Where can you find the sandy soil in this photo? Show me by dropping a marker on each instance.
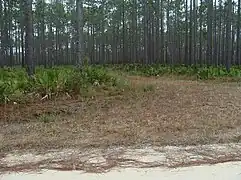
(98, 160)
(230, 171)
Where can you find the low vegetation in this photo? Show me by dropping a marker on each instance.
(198, 72)
(150, 110)
(15, 85)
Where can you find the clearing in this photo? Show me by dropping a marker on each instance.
(172, 112)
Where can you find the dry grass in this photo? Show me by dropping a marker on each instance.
(177, 112)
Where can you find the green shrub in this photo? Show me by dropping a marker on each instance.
(52, 81)
(14, 83)
(199, 72)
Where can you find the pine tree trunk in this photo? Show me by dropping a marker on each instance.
(79, 11)
(29, 38)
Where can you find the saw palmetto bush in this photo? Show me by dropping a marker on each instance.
(12, 83)
(15, 82)
(200, 72)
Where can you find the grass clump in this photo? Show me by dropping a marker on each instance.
(15, 84)
(47, 118)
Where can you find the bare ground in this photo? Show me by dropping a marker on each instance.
(176, 112)
(104, 160)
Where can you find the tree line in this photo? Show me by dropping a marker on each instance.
(172, 32)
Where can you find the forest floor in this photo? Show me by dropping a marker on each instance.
(173, 112)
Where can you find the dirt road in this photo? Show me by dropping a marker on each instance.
(230, 171)
(147, 163)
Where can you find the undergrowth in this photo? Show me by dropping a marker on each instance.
(15, 84)
(199, 72)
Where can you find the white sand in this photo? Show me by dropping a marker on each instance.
(225, 171)
(165, 156)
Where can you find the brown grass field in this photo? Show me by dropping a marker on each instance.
(172, 112)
